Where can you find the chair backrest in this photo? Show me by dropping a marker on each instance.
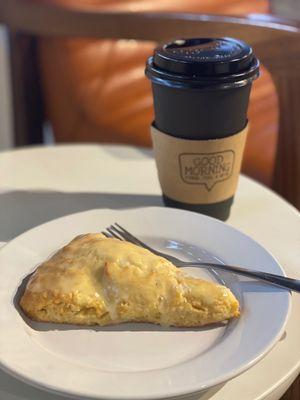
(276, 42)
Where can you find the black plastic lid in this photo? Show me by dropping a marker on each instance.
(203, 61)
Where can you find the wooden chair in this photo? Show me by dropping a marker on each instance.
(276, 42)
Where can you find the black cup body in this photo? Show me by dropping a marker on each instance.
(207, 107)
(201, 114)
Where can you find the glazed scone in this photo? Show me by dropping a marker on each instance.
(98, 280)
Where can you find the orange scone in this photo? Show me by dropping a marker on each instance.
(96, 280)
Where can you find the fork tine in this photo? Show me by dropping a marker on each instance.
(118, 231)
(113, 234)
(124, 233)
(106, 234)
(115, 231)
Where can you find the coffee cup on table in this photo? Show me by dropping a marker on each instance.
(201, 91)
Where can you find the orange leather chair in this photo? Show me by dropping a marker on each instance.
(95, 90)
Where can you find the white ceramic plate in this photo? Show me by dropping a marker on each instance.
(141, 361)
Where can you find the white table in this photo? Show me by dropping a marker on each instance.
(38, 184)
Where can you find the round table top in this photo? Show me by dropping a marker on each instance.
(38, 184)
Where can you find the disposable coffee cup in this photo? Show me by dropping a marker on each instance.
(201, 91)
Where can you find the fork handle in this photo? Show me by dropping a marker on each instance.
(282, 281)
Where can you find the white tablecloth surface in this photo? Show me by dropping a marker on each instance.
(41, 183)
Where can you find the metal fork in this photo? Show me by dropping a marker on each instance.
(117, 231)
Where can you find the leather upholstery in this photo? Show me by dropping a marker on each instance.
(96, 91)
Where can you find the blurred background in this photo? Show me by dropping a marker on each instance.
(66, 89)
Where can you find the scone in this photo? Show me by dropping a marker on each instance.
(98, 280)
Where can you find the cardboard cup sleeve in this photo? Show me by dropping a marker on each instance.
(198, 171)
